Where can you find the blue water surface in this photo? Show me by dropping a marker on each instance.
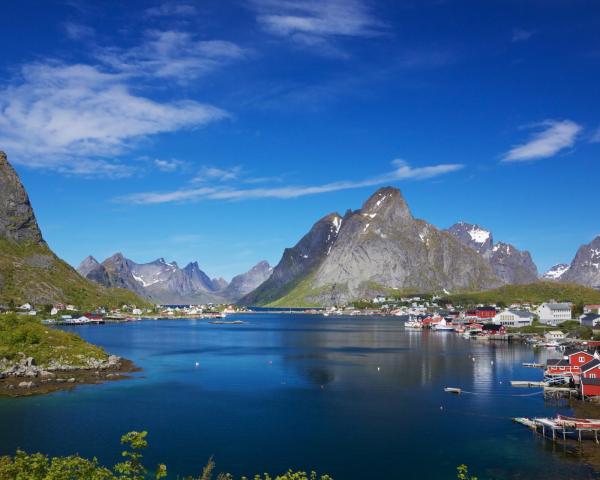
(355, 397)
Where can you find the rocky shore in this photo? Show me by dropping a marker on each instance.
(24, 377)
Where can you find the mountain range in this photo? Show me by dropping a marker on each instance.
(382, 248)
(29, 270)
(165, 282)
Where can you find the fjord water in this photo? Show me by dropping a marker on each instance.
(356, 397)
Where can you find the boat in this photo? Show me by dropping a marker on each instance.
(453, 390)
(413, 325)
(442, 326)
(221, 322)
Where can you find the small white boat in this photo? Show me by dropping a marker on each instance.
(413, 325)
(443, 327)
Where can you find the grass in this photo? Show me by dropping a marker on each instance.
(23, 335)
(32, 273)
(537, 292)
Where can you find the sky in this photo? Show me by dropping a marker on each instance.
(220, 131)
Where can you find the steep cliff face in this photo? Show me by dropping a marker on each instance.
(299, 262)
(383, 245)
(585, 267)
(372, 250)
(510, 264)
(29, 270)
(17, 220)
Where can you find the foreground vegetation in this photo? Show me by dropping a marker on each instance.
(37, 466)
(32, 273)
(22, 335)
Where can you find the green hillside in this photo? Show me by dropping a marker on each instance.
(30, 272)
(537, 292)
(21, 335)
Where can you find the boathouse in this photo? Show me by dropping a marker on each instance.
(590, 379)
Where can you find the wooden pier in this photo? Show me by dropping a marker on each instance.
(563, 428)
(527, 383)
(534, 365)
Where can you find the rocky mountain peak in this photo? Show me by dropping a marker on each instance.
(387, 202)
(585, 267)
(556, 272)
(17, 220)
(88, 264)
(472, 235)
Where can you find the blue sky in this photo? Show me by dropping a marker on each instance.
(219, 131)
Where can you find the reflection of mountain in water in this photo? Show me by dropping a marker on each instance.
(344, 352)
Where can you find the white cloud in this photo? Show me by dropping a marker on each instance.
(317, 23)
(63, 116)
(172, 54)
(72, 117)
(401, 171)
(556, 135)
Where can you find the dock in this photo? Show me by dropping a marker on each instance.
(527, 383)
(563, 428)
(534, 365)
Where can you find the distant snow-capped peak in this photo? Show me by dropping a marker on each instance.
(556, 272)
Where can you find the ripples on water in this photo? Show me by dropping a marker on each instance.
(360, 398)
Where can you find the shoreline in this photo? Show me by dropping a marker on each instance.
(65, 380)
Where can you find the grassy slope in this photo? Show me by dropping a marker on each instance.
(533, 292)
(32, 273)
(22, 334)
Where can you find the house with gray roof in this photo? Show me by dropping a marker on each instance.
(514, 318)
(552, 313)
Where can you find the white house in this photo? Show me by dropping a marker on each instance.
(136, 311)
(513, 318)
(554, 313)
(554, 335)
(54, 311)
(25, 307)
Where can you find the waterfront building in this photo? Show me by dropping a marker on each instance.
(513, 318)
(554, 313)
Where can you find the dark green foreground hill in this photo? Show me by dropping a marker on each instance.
(29, 270)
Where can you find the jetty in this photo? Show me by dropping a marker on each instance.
(563, 427)
(534, 365)
(527, 383)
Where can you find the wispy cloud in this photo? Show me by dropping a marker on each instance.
(171, 9)
(317, 24)
(78, 31)
(76, 118)
(168, 165)
(172, 54)
(402, 171)
(521, 35)
(555, 135)
(217, 174)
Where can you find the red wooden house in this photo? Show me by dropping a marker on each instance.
(570, 363)
(590, 379)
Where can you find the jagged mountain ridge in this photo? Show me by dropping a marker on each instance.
(165, 282)
(374, 249)
(512, 265)
(585, 267)
(29, 269)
